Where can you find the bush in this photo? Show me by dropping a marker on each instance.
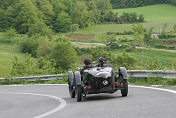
(165, 35)
(44, 47)
(29, 45)
(125, 60)
(82, 51)
(63, 54)
(119, 33)
(170, 82)
(9, 35)
(153, 64)
(130, 49)
(25, 67)
(100, 52)
(29, 66)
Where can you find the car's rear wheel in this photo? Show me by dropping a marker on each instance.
(71, 84)
(79, 93)
(71, 91)
(124, 91)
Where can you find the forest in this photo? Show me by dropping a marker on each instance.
(42, 17)
(117, 4)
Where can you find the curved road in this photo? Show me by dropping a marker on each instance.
(53, 101)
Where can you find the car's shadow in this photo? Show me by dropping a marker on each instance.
(95, 97)
(98, 97)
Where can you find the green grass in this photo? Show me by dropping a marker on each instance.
(171, 83)
(164, 57)
(153, 12)
(24, 82)
(7, 53)
(100, 30)
(155, 16)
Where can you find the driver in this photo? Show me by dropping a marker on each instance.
(102, 62)
(87, 64)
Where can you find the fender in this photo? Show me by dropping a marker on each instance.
(123, 71)
(78, 78)
(70, 78)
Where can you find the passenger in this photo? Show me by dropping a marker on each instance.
(87, 64)
(102, 62)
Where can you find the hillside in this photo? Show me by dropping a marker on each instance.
(155, 16)
(7, 53)
(153, 12)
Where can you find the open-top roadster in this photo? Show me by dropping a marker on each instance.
(97, 80)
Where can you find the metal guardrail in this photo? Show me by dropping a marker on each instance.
(131, 74)
(34, 78)
(151, 73)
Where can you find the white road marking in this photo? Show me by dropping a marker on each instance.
(62, 105)
(35, 85)
(154, 88)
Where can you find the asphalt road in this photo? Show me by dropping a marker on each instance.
(53, 101)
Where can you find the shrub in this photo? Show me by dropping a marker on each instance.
(170, 82)
(29, 45)
(100, 52)
(125, 60)
(25, 67)
(153, 64)
(29, 66)
(82, 51)
(9, 35)
(44, 47)
(63, 54)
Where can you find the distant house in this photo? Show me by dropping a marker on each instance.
(155, 35)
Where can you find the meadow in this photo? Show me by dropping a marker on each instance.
(7, 52)
(159, 12)
(156, 16)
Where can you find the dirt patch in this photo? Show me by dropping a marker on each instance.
(81, 37)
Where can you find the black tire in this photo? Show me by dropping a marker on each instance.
(79, 93)
(71, 84)
(124, 91)
(71, 91)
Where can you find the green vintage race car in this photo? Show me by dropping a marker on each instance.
(97, 80)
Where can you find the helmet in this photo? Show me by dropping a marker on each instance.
(101, 59)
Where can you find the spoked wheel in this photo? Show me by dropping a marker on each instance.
(71, 84)
(79, 93)
(124, 91)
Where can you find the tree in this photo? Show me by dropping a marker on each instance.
(39, 29)
(63, 54)
(5, 4)
(63, 22)
(103, 5)
(139, 36)
(27, 14)
(47, 9)
(79, 14)
(74, 27)
(139, 32)
(7, 19)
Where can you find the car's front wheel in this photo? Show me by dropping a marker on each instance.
(79, 93)
(124, 91)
